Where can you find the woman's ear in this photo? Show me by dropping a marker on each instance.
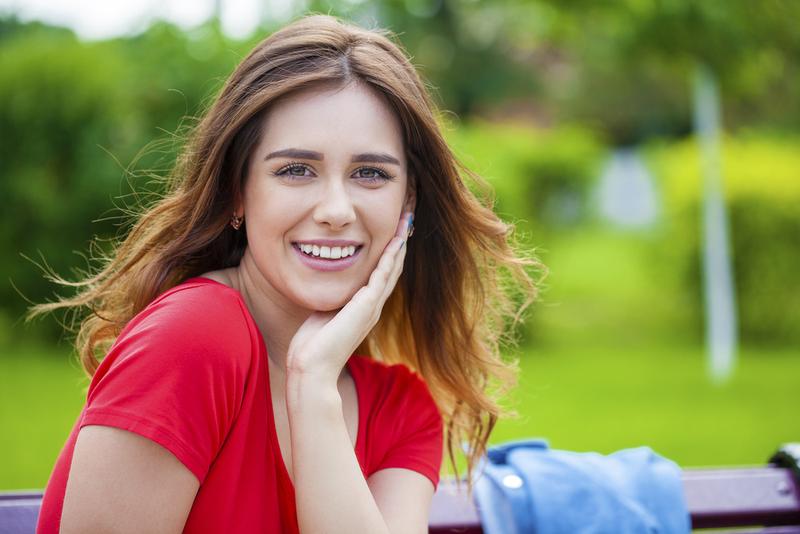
(238, 206)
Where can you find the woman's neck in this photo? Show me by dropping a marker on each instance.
(277, 318)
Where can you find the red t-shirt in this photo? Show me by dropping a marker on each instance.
(190, 373)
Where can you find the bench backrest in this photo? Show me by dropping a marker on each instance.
(716, 498)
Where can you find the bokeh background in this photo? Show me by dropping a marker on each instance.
(579, 113)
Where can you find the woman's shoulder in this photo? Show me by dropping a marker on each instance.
(390, 380)
(197, 300)
(198, 316)
(198, 290)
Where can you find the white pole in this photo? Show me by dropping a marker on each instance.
(720, 298)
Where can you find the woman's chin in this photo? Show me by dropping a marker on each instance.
(327, 303)
(328, 307)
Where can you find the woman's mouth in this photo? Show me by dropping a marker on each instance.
(326, 257)
(327, 252)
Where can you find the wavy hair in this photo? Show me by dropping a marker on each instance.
(464, 285)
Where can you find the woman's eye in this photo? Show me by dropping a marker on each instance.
(369, 175)
(294, 170)
(373, 175)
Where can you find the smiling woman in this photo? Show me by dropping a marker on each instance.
(310, 183)
(268, 349)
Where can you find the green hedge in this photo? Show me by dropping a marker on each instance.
(541, 177)
(762, 190)
(78, 115)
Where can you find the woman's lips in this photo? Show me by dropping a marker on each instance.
(324, 264)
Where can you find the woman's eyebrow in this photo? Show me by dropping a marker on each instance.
(298, 153)
(295, 153)
(375, 158)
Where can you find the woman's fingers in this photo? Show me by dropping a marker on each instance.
(369, 300)
(380, 277)
(390, 254)
(399, 258)
(394, 276)
(342, 332)
(403, 224)
(383, 279)
(395, 264)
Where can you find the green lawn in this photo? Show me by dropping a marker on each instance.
(604, 399)
(620, 365)
(579, 399)
(615, 366)
(40, 398)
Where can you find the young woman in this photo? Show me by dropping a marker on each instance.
(279, 354)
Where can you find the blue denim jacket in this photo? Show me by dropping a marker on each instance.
(526, 487)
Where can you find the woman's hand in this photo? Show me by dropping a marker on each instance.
(326, 340)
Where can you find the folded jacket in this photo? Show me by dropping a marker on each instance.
(526, 487)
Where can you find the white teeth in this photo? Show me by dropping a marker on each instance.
(333, 253)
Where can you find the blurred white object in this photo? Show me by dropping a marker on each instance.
(625, 193)
(720, 298)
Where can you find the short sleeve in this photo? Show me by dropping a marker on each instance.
(176, 374)
(416, 440)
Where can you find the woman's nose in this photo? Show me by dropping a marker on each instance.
(334, 207)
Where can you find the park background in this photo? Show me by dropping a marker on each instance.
(579, 113)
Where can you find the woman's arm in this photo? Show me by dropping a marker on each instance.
(404, 497)
(121, 482)
(332, 494)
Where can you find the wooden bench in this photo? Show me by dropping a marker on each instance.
(764, 497)
(767, 497)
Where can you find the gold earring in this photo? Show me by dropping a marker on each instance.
(236, 221)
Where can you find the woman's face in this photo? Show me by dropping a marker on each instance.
(329, 178)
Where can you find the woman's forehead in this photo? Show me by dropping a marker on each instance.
(354, 117)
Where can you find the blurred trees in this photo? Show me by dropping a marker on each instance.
(622, 67)
(74, 120)
(632, 62)
(79, 119)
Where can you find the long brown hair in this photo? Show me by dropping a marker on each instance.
(464, 285)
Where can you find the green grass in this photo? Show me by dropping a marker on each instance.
(618, 363)
(614, 366)
(40, 398)
(578, 398)
(604, 399)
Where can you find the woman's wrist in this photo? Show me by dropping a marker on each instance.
(312, 391)
(310, 367)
